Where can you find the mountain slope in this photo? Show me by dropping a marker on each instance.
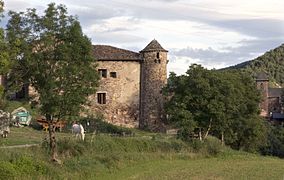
(272, 62)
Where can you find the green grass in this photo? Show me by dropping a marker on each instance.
(24, 135)
(145, 156)
(240, 167)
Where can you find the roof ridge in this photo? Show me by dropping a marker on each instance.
(115, 48)
(107, 52)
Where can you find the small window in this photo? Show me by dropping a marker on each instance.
(103, 73)
(158, 55)
(113, 74)
(159, 61)
(101, 98)
(155, 60)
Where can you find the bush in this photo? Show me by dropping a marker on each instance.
(7, 170)
(68, 147)
(213, 145)
(97, 124)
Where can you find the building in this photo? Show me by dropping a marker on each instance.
(271, 106)
(130, 91)
(130, 87)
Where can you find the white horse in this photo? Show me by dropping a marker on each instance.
(79, 131)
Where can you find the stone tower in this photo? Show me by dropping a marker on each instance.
(153, 79)
(262, 84)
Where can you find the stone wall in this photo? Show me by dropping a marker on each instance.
(263, 87)
(122, 93)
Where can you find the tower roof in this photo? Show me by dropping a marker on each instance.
(154, 45)
(261, 76)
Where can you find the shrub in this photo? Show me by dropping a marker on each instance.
(210, 146)
(7, 170)
(68, 147)
(213, 145)
(97, 124)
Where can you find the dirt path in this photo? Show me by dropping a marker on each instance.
(19, 146)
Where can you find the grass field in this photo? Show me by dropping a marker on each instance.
(203, 168)
(144, 156)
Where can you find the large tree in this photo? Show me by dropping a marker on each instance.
(55, 57)
(220, 103)
(4, 56)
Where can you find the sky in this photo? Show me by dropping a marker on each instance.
(213, 33)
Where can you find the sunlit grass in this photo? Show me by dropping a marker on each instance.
(144, 156)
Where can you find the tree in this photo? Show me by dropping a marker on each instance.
(176, 108)
(55, 57)
(220, 103)
(4, 56)
(275, 138)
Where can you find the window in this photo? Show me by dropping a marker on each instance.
(113, 74)
(103, 73)
(158, 55)
(101, 98)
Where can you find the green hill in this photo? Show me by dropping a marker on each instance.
(272, 62)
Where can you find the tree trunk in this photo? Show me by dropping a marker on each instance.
(52, 139)
(209, 127)
(200, 134)
(222, 138)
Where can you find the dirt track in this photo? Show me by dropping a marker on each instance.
(19, 146)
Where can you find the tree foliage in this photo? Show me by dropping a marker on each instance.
(220, 103)
(4, 56)
(272, 62)
(52, 54)
(275, 139)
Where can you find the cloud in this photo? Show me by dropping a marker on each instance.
(261, 28)
(212, 58)
(115, 38)
(213, 33)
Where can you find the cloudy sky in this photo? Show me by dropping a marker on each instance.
(215, 33)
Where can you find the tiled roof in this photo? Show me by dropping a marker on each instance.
(154, 45)
(275, 92)
(261, 76)
(108, 53)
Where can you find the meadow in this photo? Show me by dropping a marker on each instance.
(143, 156)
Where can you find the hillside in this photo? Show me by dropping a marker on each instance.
(272, 62)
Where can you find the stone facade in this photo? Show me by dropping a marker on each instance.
(130, 87)
(262, 85)
(122, 92)
(271, 98)
(153, 79)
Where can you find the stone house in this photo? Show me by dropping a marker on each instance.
(271, 106)
(130, 86)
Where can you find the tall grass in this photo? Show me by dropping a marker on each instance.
(97, 155)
